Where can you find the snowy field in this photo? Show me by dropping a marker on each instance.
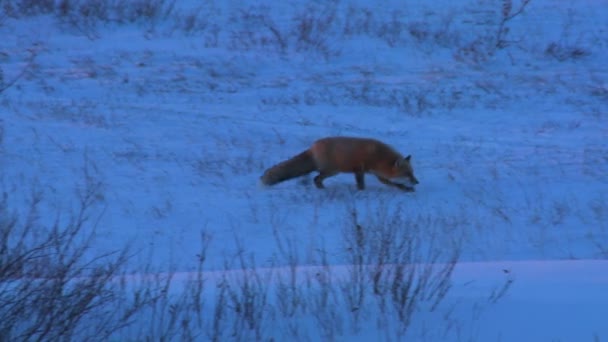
(165, 120)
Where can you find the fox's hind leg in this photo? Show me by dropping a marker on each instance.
(321, 176)
(397, 185)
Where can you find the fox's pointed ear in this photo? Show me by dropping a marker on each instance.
(409, 156)
(402, 161)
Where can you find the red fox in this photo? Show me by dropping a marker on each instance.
(332, 155)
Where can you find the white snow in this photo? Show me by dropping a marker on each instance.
(509, 145)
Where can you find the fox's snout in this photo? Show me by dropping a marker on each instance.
(405, 180)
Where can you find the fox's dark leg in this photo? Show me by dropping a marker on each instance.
(397, 185)
(360, 178)
(321, 176)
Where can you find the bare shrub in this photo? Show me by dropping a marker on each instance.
(324, 300)
(358, 21)
(86, 15)
(254, 28)
(201, 21)
(245, 294)
(491, 36)
(16, 8)
(175, 309)
(309, 30)
(507, 14)
(6, 82)
(442, 35)
(103, 10)
(391, 31)
(313, 26)
(51, 288)
(563, 52)
(394, 261)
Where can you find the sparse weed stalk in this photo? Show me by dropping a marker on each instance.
(392, 31)
(255, 28)
(404, 269)
(1, 135)
(358, 21)
(7, 82)
(508, 14)
(83, 113)
(355, 288)
(427, 36)
(395, 270)
(177, 309)
(219, 324)
(201, 21)
(290, 296)
(599, 215)
(309, 30)
(567, 48)
(87, 15)
(323, 299)
(483, 46)
(313, 28)
(562, 51)
(499, 292)
(51, 288)
(247, 296)
(17, 8)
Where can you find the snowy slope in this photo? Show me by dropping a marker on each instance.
(509, 144)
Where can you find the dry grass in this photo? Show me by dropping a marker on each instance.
(392, 271)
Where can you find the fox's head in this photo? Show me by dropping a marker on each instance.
(404, 171)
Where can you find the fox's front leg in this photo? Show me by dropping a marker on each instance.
(397, 185)
(360, 179)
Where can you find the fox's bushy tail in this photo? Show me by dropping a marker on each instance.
(297, 166)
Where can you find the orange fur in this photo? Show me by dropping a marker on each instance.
(333, 155)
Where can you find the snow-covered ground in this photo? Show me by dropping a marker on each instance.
(507, 132)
